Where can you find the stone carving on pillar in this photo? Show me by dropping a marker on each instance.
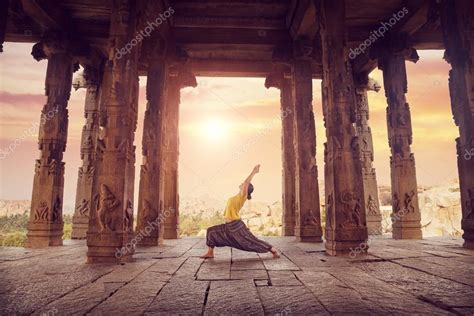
(109, 235)
(406, 215)
(374, 217)
(90, 80)
(45, 226)
(308, 220)
(346, 209)
(178, 78)
(282, 80)
(151, 191)
(458, 27)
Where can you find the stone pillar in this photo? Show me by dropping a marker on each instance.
(90, 132)
(456, 19)
(308, 219)
(178, 79)
(45, 225)
(364, 134)
(4, 4)
(282, 81)
(150, 198)
(346, 227)
(406, 215)
(110, 233)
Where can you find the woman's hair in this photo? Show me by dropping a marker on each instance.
(249, 191)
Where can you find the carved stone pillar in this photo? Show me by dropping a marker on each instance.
(150, 198)
(3, 21)
(282, 81)
(456, 18)
(406, 215)
(308, 219)
(178, 78)
(45, 225)
(346, 227)
(90, 132)
(110, 233)
(364, 133)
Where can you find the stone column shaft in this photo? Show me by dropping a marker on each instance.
(345, 205)
(150, 200)
(283, 82)
(364, 133)
(308, 220)
(456, 19)
(90, 133)
(406, 215)
(178, 78)
(111, 218)
(170, 160)
(45, 226)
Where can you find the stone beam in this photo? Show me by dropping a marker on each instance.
(229, 22)
(301, 20)
(188, 35)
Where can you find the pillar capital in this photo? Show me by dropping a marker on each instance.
(393, 45)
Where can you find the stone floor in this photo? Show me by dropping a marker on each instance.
(432, 276)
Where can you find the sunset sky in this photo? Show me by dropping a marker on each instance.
(227, 125)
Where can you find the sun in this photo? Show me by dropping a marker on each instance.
(214, 129)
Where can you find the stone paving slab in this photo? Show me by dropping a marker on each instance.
(431, 276)
(224, 295)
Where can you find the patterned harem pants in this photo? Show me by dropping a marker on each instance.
(235, 234)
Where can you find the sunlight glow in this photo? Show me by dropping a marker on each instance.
(214, 129)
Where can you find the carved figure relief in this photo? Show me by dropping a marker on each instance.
(53, 166)
(470, 204)
(128, 217)
(108, 203)
(310, 219)
(88, 143)
(41, 212)
(408, 203)
(83, 208)
(150, 214)
(351, 210)
(57, 207)
(371, 206)
(395, 203)
(329, 209)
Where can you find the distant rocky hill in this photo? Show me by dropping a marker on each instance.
(440, 210)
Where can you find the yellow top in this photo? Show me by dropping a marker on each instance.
(234, 204)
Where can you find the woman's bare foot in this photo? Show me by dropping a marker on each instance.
(208, 254)
(275, 253)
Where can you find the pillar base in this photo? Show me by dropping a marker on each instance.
(407, 233)
(288, 230)
(109, 247)
(346, 241)
(308, 234)
(42, 235)
(80, 225)
(150, 242)
(467, 226)
(346, 248)
(374, 227)
(170, 233)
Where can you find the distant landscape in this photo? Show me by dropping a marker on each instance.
(440, 209)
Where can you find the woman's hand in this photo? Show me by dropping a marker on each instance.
(256, 169)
